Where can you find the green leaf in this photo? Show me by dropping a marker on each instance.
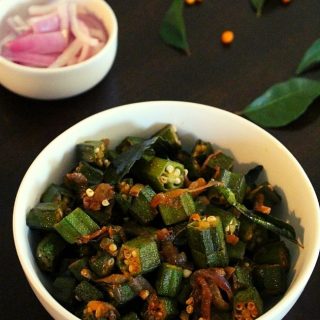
(273, 224)
(173, 30)
(258, 5)
(310, 59)
(122, 164)
(283, 103)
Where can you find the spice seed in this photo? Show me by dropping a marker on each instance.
(113, 247)
(89, 192)
(105, 202)
(169, 168)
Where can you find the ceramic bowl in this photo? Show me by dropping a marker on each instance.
(57, 83)
(247, 143)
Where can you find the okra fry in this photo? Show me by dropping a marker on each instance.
(135, 236)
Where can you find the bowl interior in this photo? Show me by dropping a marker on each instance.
(246, 142)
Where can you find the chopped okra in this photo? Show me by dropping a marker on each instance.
(44, 216)
(169, 280)
(162, 174)
(92, 152)
(180, 209)
(141, 205)
(138, 256)
(207, 243)
(75, 225)
(152, 230)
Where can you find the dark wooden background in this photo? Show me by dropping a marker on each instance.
(266, 50)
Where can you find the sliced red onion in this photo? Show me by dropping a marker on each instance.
(6, 39)
(49, 23)
(30, 59)
(17, 24)
(44, 8)
(71, 51)
(64, 16)
(59, 33)
(76, 29)
(42, 43)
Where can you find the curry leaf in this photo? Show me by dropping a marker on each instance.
(124, 162)
(173, 30)
(258, 5)
(273, 224)
(310, 58)
(283, 102)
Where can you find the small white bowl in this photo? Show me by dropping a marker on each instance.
(49, 84)
(246, 142)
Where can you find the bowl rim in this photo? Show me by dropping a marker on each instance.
(279, 309)
(112, 37)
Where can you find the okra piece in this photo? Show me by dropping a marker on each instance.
(169, 280)
(234, 181)
(75, 225)
(63, 289)
(236, 251)
(193, 168)
(247, 304)
(102, 264)
(130, 316)
(123, 197)
(117, 234)
(85, 291)
(77, 266)
(253, 235)
(269, 195)
(184, 292)
(229, 221)
(109, 246)
(141, 208)
(219, 160)
(48, 251)
(161, 308)
(141, 286)
(99, 310)
(169, 134)
(94, 175)
(138, 256)
(134, 229)
(207, 243)
(241, 278)
(270, 279)
(273, 253)
(92, 152)
(121, 292)
(201, 150)
(127, 142)
(59, 195)
(180, 209)
(44, 216)
(162, 174)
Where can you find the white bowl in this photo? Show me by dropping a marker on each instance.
(248, 143)
(48, 84)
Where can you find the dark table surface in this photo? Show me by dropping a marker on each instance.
(266, 50)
